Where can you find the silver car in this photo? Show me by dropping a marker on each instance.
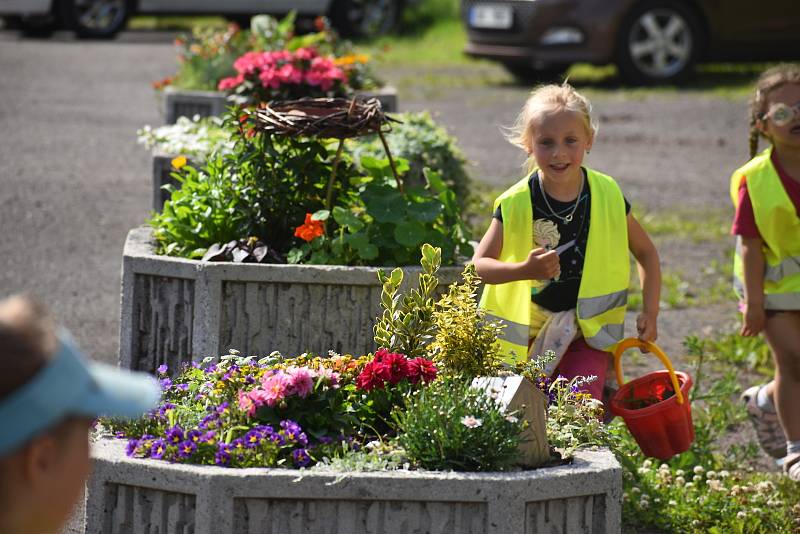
(104, 18)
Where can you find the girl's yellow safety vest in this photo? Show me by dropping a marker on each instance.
(603, 292)
(779, 226)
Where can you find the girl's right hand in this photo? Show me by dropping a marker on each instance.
(542, 264)
(753, 320)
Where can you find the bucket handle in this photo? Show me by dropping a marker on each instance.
(632, 342)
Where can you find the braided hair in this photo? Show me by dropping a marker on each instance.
(770, 79)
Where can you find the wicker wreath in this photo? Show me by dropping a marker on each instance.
(338, 118)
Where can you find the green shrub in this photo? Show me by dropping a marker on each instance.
(423, 143)
(465, 343)
(451, 426)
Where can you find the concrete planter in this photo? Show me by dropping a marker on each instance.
(174, 309)
(184, 103)
(131, 496)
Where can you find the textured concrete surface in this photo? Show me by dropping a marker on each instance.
(131, 496)
(174, 309)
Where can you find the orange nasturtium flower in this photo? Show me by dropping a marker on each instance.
(179, 162)
(310, 229)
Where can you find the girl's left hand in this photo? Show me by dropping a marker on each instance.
(646, 325)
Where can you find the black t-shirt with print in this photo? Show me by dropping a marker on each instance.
(561, 294)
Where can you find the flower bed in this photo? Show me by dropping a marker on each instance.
(173, 308)
(129, 495)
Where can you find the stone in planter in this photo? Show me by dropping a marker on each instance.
(174, 309)
(184, 103)
(131, 496)
(516, 394)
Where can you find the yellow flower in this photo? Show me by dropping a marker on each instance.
(179, 162)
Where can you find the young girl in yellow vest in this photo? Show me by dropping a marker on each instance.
(49, 395)
(766, 194)
(555, 258)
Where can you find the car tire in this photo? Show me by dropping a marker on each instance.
(659, 42)
(96, 19)
(527, 74)
(366, 18)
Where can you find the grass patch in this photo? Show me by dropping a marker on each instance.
(712, 226)
(177, 23)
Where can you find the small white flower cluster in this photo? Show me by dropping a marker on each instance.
(196, 137)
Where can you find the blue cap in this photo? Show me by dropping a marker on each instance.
(71, 385)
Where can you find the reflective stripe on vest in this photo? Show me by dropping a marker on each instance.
(600, 313)
(779, 226)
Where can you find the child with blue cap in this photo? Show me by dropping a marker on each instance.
(49, 396)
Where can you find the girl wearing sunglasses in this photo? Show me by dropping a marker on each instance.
(766, 194)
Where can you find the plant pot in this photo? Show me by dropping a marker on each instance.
(130, 496)
(184, 103)
(175, 309)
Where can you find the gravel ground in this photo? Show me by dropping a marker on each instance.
(73, 181)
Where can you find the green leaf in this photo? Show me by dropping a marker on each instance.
(368, 252)
(321, 215)
(347, 218)
(295, 255)
(434, 180)
(409, 233)
(384, 204)
(426, 211)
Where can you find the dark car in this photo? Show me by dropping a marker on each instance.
(104, 18)
(649, 41)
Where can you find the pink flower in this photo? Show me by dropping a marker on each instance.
(330, 376)
(269, 78)
(275, 387)
(246, 404)
(289, 74)
(230, 83)
(305, 54)
(301, 381)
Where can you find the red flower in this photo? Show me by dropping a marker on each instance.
(421, 368)
(374, 375)
(396, 365)
(310, 229)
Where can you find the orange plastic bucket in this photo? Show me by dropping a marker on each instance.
(656, 406)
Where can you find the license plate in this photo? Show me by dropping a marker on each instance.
(491, 16)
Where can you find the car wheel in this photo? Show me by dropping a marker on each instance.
(658, 43)
(96, 19)
(366, 18)
(525, 73)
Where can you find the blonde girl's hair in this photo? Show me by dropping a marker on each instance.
(770, 79)
(547, 99)
(27, 341)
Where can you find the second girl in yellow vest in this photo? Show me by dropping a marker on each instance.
(555, 258)
(766, 193)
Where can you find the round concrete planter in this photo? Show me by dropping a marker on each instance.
(175, 309)
(132, 496)
(184, 103)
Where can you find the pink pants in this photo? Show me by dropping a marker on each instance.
(582, 360)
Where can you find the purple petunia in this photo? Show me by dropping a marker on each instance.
(166, 383)
(175, 435)
(186, 449)
(223, 456)
(158, 448)
(162, 369)
(301, 457)
(253, 439)
(194, 435)
(130, 448)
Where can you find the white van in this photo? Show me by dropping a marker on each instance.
(104, 18)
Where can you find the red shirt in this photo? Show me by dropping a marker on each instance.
(744, 222)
